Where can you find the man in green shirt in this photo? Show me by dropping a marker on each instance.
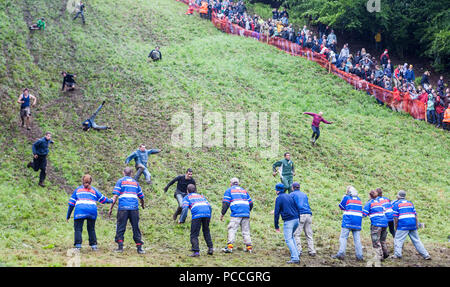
(286, 170)
(40, 25)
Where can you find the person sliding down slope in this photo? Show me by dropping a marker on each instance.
(317, 118)
(90, 123)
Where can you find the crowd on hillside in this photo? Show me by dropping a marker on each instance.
(377, 70)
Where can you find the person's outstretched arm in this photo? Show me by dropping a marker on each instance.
(326, 122)
(153, 151)
(130, 157)
(310, 114)
(170, 183)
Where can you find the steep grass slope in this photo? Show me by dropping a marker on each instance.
(368, 146)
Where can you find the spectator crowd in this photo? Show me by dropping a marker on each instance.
(379, 71)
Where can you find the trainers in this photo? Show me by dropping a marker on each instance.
(77, 247)
(140, 250)
(210, 251)
(41, 184)
(94, 248)
(195, 254)
(359, 259)
(30, 164)
(428, 257)
(312, 254)
(227, 250)
(338, 257)
(119, 248)
(293, 262)
(248, 250)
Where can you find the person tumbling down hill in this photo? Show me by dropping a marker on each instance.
(40, 25)
(90, 123)
(181, 191)
(155, 54)
(317, 118)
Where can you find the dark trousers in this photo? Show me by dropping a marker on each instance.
(40, 163)
(78, 227)
(439, 119)
(316, 132)
(122, 220)
(196, 224)
(78, 14)
(391, 228)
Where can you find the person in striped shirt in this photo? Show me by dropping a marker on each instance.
(378, 229)
(387, 204)
(406, 224)
(201, 215)
(127, 191)
(84, 200)
(351, 221)
(239, 201)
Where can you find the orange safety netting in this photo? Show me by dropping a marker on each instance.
(394, 99)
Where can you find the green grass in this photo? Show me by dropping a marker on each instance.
(368, 146)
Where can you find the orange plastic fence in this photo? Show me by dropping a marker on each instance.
(395, 100)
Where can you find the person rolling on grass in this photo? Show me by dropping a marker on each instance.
(127, 191)
(286, 207)
(181, 191)
(201, 215)
(286, 170)
(83, 200)
(406, 224)
(375, 210)
(140, 157)
(155, 54)
(305, 221)
(40, 152)
(387, 204)
(90, 123)
(317, 118)
(68, 81)
(25, 108)
(40, 25)
(351, 222)
(240, 203)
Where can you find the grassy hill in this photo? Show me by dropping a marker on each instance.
(368, 146)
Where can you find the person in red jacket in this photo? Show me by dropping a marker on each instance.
(317, 118)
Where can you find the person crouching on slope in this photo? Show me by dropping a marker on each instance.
(317, 118)
(84, 200)
(201, 215)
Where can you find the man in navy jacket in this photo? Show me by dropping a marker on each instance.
(286, 207)
(40, 152)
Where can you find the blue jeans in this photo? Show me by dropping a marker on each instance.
(289, 228)
(142, 169)
(316, 132)
(345, 232)
(400, 237)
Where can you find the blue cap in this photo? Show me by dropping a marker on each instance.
(280, 187)
(296, 185)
